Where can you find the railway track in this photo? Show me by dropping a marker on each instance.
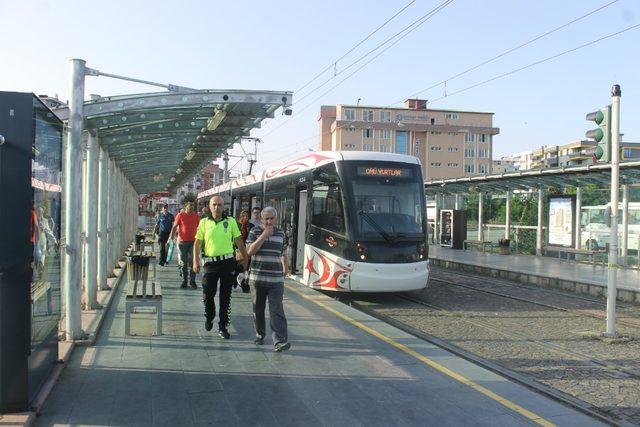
(404, 310)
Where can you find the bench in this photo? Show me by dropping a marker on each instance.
(142, 292)
(562, 249)
(481, 243)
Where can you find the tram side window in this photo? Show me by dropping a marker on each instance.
(327, 211)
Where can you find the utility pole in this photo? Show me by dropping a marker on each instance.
(616, 93)
(225, 173)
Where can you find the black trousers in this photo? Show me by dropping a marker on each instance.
(162, 240)
(214, 271)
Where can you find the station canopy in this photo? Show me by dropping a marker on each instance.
(576, 176)
(161, 140)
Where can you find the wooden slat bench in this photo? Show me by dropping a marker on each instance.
(561, 249)
(142, 293)
(481, 243)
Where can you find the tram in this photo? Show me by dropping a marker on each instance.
(354, 221)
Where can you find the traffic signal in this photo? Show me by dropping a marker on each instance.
(602, 135)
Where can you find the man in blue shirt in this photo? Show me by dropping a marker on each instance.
(164, 222)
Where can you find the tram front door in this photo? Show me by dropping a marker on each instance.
(301, 228)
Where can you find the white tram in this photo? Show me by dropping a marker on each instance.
(354, 221)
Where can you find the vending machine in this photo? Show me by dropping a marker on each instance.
(30, 210)
(453, 228)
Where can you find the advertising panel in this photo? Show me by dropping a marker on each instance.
(561, 220)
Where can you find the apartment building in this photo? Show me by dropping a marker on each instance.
(449, 143)
(576, 153)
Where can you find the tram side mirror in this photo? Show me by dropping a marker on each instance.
(607, 216)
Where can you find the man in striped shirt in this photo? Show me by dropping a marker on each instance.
(266, 245)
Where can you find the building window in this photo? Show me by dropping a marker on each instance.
(469, 168)
(349, 115)
(367, 147)
(469, 152)
(436, 164)
(384, 148)
(385, 133)
(434, 148)
(367, 115)
(367, 133)
(482, 168)
(452, 149)
(483, 137)
(470, 137)
(385, 116)
(349, 146)
(452, 165)
(483, 153)
(402, 140)
(452, 116)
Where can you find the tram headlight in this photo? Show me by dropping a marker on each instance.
(423, 251)
(363, 252)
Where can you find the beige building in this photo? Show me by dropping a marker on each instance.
(448, 143)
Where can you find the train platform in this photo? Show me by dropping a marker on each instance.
(540, 270)
(344, 368)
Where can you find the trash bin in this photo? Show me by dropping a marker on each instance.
(503, 245)
(139, 239)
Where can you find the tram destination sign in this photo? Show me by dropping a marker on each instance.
(387, 172)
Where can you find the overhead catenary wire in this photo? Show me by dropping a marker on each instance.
(416, 23)
(407, 30)
(354, 47)
(506, 52)
(549, 58)
(632, 27)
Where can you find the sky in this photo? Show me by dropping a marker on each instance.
(282, 45)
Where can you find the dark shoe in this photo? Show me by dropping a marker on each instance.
(281, 346)
(161, 264)
(184, 285)
(259, 340)
(193, 285)
(208, 325)
(224, 334)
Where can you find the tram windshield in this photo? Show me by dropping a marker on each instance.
(388, 200)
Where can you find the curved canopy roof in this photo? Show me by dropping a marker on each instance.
(599, 175)
(160, 140)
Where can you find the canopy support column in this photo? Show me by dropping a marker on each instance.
(480, 215)
(578, 229)
(103, 207)
(72, 247)
(89, 222)
(507, 217)
(436, 221)
(539, 229)
(457, 202)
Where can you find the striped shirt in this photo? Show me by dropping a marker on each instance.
(266, 268)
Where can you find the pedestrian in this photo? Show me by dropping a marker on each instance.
(255, 216)
(245, 228)
(266, 246)
(218, 233)
(164, 222)
(204, 212)
(185, 227)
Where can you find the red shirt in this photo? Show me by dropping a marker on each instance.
(187, 226)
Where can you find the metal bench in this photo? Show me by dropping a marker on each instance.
(481, 243)
(561, 249)
(141, 292)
